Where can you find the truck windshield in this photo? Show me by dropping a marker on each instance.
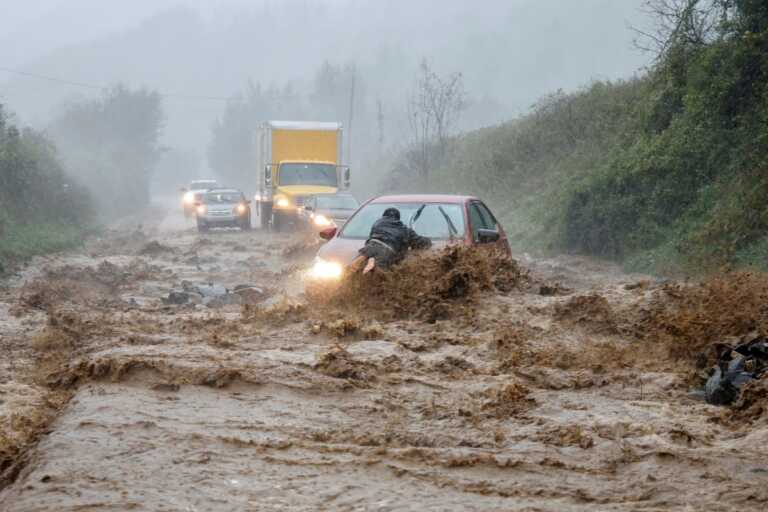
(431, 222)
(308, 174)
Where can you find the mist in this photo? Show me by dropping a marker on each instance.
(197, 55)
(390, 254)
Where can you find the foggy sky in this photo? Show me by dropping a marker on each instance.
(510, 52)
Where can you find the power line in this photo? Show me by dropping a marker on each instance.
(191, 97)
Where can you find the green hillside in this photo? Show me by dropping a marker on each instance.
(666, 172)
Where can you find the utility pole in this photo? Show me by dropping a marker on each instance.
(351, 114)
(380, 122)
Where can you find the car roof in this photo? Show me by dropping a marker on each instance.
(222, 190)
(204, 181)
(423, 198)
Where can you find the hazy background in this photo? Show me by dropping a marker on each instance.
(510, 52)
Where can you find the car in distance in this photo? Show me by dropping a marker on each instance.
(192, 194)
(223, 207)
(322, 211)
(445, 219)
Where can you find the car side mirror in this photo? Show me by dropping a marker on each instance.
(308, 208)
(488, 236)
(346, 177)
(183, 190)
(268, 174)
(327, 233)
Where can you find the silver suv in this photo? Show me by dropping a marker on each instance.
(223, 207)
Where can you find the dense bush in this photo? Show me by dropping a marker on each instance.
(692, 187)
(41, 208)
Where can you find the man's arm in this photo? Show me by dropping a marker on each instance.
(416, 241)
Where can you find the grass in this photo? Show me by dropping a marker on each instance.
(21, 242)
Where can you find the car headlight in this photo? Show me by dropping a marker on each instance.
(322, 221)
(323, 269)
(241, 209)
(283, 203)
(189, 197)
(201, 209)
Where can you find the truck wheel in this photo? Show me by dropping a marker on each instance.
(246, 224)
(265, 214)
(202, 227)
(278, 223)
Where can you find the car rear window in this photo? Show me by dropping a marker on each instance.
(431, 222)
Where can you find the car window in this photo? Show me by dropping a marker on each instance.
(431, 222)
(223, 197)
(480, 217)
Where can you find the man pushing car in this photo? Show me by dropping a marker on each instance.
(388, 243)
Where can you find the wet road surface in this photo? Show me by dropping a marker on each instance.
(115, 400)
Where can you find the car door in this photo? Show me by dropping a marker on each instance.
(480, 217)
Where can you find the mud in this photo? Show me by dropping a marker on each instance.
(430, 287)
(466, 381)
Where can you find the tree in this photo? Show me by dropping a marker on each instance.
(676, 24)
(112, 145)
(33, 185)
(433, 108)
(338, 95)
(231, 150)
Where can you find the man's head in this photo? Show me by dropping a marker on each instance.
(392, 213)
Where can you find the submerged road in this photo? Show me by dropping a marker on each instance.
(525, 402)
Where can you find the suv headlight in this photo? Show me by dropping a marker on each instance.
(283, 203)
(189, 197)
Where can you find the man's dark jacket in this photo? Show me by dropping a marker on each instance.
(396, 236)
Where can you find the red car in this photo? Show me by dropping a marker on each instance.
(444, 219)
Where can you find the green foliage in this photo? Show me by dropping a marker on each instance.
(667, 172)
(697, 186)
(41, 208)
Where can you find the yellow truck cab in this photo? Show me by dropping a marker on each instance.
(296, 159)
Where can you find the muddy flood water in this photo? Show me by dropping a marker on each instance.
(566, 387)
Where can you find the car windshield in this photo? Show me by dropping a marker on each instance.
(337, 203)
(308, 174)
(432, 221)
(222, 197)
(202, 185)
